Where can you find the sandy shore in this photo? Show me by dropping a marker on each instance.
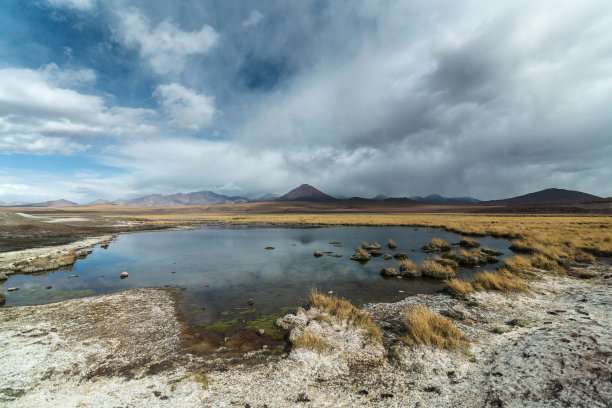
(125, 349)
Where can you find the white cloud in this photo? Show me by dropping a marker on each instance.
(166, 46)
(254, 18)
(39, 115)
(77, 4)
(187, 108)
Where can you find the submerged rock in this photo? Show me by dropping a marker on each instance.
(400, 256)
(250, 302)
(123, 275)
(318, 254)
(376, 252)
(269, 248)
(388, 256)
(12, 289)
(390, 272)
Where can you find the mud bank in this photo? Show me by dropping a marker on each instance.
(125, 349)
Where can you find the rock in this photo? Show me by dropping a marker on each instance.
(269, 248)
(361, 255)
(104, 246)
(207, 285)
(49, 287)
(390, 272)
(388, 256)
(89, 252)
(318, 254)
(370, 247)
(2, 276)
(391, 244)
(123, 275)
(400, 256)
(376, 252)
(80, 254)
(73, 276)
(2, 298)
(250, 302)
(261, 332)
(458, 311)
(12, 289)
(331, 292)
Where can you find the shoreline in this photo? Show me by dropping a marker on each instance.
(126, 348)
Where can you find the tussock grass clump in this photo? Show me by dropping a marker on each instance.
(361, 255)
(409, 269)
(518, 323)
(489, 251)
(432, 269)
(391, 244)
(310, 341)
(468, 243)
(458, 288)
(584, 274)
(427, 327)
(517, 265)
(437, 245)
(343, 309)
(542, 262)
(499, 281)
(447, 262)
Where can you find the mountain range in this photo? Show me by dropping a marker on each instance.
(308, 193)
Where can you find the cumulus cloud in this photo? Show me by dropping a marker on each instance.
(187, 108)
(39, 115)
(254, 18)
(166, 47)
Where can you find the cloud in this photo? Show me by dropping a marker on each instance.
(187, 108)
(254, 18)
(166, 47)
(39, 115)
(77, 4)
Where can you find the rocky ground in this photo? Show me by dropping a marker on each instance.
(125, 349)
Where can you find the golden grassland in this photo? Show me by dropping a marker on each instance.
(560, 238)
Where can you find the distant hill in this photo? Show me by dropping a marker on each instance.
(548, 196)
(52, 203)
(99, 201)
(438, 199)
(180, 199)
(380, 197)
(306, 192)
(267, 197)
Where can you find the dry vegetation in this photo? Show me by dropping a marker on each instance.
(310, 341)
(344, 310)
(427, 327)
(584, 274)
(433, 269)
(457, 287)
(499, 281)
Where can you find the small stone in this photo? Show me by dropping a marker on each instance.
(284, 355)
(173, 272)
(261, 332)
(388, 256)
(265, 347)
(49, 287)
(89, 252)
(73, 276)
(331, 292)
(302, 397)
(207, 285)
(400, 256)
(2, 298)
(318, 254)
(123, 275)
(250, 302)
(12, 289)
(269, 248)
(400, 291)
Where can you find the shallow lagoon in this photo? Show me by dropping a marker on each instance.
(234, 263)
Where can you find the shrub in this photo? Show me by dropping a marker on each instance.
(343, 309)
(432, 269)
(427, 327)
(499, 281)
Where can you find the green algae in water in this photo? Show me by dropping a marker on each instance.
(233, 317)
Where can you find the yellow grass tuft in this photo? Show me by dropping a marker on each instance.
(408, 265)
(310, 341)
(427, 327)
(584, 274)
(432, 269)
(517, 265)
(500, 281)
(458, 287)
(542, 262)
(468, 243)
(343, 309)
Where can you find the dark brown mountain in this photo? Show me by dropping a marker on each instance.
(548, 196)
(306, 192)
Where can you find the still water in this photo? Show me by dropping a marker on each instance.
(235, 265)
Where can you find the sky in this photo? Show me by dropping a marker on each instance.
(119, 99)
